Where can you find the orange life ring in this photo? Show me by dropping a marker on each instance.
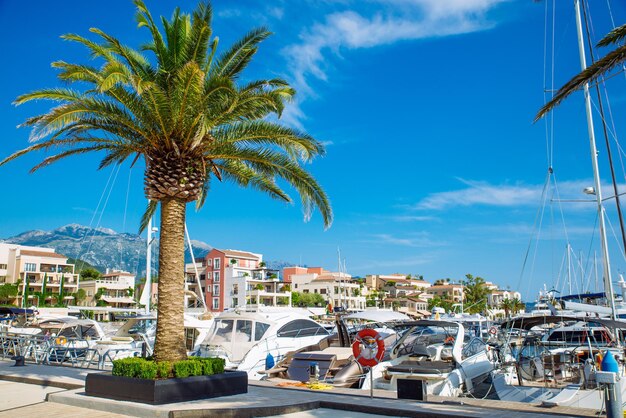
(449, 340)
(373, 355)
(60, 340)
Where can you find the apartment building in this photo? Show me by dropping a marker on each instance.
(115, 289)
(451, 292)
(495, 297)
(235, 278)
(336, 288)
(40, 272)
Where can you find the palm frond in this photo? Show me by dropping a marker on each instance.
(235, 59)
(614, 37)
(589, 75)
(149, 213)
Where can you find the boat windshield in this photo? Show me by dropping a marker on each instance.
(143, 326)
(244, 331)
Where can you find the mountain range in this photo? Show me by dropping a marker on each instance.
(105, 248)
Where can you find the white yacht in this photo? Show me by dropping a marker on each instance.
(251, 340)
(440, 354)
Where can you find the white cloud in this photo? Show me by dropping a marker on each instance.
(392, 21)
(507, 195)
(420, 240)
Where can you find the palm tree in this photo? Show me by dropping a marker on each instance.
(518, 306)
(508, 306)
(180, 107)
(594, 71)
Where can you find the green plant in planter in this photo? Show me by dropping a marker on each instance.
(135, 367)
(164, 369)
(186, 368)
(141, 368)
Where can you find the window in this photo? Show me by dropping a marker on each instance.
(216, 276)
(216, 263)
(209, 262)
(216, 303)
(3, 266)
(322, 291)
(243, 331)
(216, 289)
(301, 328)
(30, 267)
(259, 330)
(203, 277)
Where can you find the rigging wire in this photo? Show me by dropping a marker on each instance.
(93, 216)
(130, 172)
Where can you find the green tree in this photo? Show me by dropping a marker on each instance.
(591, 74)
(129, 292)
(439, 302)
(180, 107)
(518, 306)
(90, 274)
(307, 299)
(475, 294)
(79, 295)
(507, 306)
(8, 292)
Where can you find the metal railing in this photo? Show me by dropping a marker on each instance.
(72, 352)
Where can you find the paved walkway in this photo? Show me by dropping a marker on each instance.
(29, 386)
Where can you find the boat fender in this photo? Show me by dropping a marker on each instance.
(368, 347)
(609, 364)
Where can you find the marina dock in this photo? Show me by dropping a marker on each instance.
(54, 391)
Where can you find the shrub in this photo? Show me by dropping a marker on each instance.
(210, 365)
(186, 368)
(134, 367)
(164, 369)
(142, 368)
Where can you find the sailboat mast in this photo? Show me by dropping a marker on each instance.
(608, 283)
(147, 290)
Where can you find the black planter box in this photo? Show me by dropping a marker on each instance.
(156, 392)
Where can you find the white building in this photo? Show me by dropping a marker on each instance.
(115, 288)
(337, 288)
(39, 268)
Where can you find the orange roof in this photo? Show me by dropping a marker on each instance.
(41, 254)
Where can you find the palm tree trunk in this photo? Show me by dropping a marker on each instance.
(170, 334)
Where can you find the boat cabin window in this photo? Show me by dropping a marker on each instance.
(243, 331)
(579, 336)
(223, 330)
(259, 330)
(301, 328)
(474, 347)
(190, 338)
(142, 326)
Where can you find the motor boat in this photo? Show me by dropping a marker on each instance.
(252, 340)
(439, 353)
(333, 355)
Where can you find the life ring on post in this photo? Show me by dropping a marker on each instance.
(493, 330)
(368, 347)
(60, 340)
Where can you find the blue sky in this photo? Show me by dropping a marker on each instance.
(433, 165)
